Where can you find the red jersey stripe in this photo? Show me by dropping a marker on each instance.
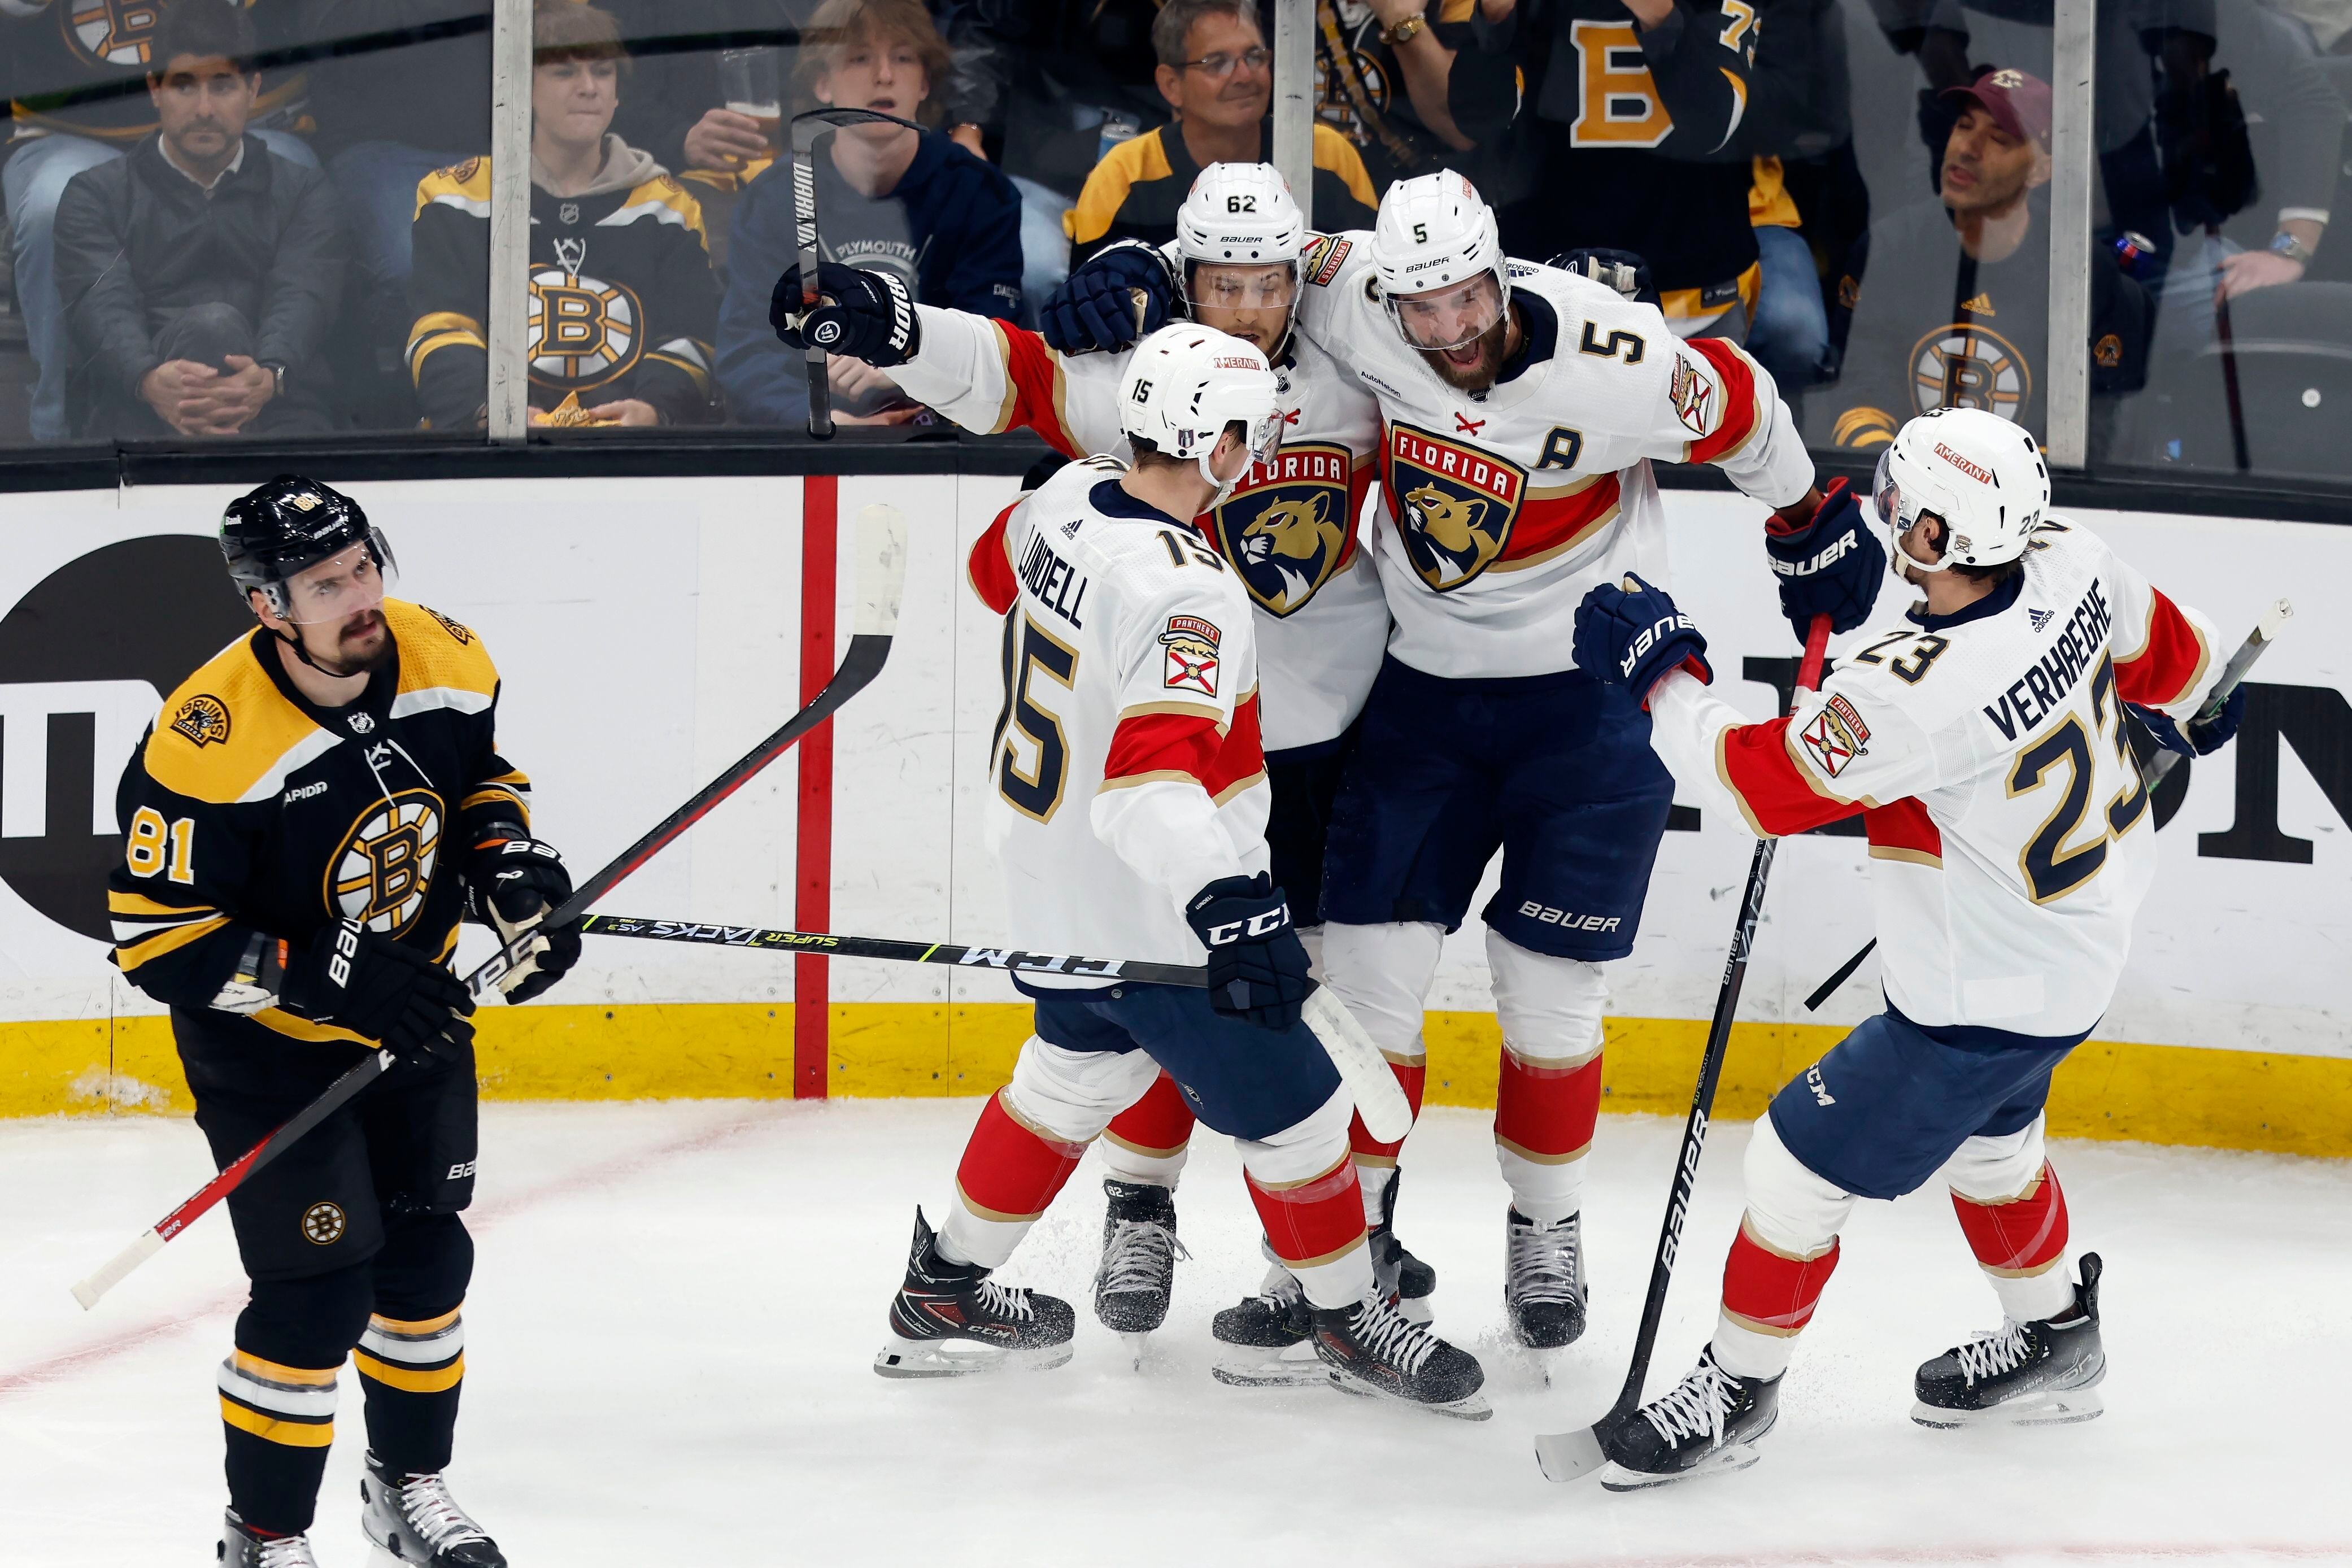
(1241, 756)
(990, 567)
(1032, 395)
(1162, 743)
(1777, 796)
(1742, 409)
(1902, 830)
(2170, 663)
(1550, 524)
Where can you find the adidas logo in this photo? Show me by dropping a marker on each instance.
(1980, 306)
(2039, 618)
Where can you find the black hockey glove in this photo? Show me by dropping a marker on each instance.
(1634, 637)
(1257, 965)
(1118, 297)
(513, 882)
(372, 985)
(2201, 737)
(1621, 269)
(860, 314)
(1831, 565)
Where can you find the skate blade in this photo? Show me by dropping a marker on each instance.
(1616, 1478)
(1257, 1366)
(924, 1358)
(1139, 1345)
(1469, 1407)
(2043, 1407)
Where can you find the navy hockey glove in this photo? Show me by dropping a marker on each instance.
(1830, 564)
(372, 985)
(1119, 296)
(513, 882)
(1621, 269)
(1634, 637)
(1257, 965)
(860, 314)
(2202, 737)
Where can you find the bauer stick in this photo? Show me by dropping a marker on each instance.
(2267, 627)
(1388, 1115)
(1564, 1456)
(807, 131)
(881, 570)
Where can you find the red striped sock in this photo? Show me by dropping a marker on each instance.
(1316, 1228)
(1770, 1292)
(1159, 1124)
(2023, 1236)
(1011, 1170)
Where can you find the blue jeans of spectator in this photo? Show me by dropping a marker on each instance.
(377, 182)
(1791, 331)
(1044, 247)
(33, 183)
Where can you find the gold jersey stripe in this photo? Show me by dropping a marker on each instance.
(171, 939)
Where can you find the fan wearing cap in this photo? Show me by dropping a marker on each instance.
(1949, 299)
(1979, 735)
(309, 820)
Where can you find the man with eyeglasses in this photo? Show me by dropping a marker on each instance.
(1217, 74)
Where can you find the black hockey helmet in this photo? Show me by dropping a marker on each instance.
(272, 532)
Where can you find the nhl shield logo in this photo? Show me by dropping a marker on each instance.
(1453, 505)
(1286, 527)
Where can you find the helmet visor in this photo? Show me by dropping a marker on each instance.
(1449, 318)
(1265, 436)
(1889, 493)
(346, 584)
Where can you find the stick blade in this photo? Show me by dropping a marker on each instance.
(881, 569)
(1566, 1455)
(1388, 1115)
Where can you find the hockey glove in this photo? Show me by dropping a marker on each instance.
(1830, 564)
(372, 985)
(2201, 737)
(860, 314)
(1620, 270)
(513, 882)
(1634, 637)
(1116, 298)
(1257, 965)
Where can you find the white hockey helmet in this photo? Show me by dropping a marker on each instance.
(1240, 215)
(1982, 475)
(1434, 233)
(1185, 382)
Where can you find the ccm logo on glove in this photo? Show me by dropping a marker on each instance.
(1232, 931)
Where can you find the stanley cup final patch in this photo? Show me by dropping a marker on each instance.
(1191, 645)
(1835, 737)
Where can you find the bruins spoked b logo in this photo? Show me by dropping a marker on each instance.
(583, 331)
(322, 1223)
(381, 875)
(1286, 528)
(1963, 365)
(1453, 505)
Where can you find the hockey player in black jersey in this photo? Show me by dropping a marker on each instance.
(309, 818)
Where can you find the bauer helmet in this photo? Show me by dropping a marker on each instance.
(273, 533)
(1436, 233)
(1239, 215)
(1980, 475)
(1185, 382)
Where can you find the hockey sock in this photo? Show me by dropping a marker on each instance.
(2021, 1244)
(1010, 1171)
(1376, 1161)
(1148, 1141)
(1316, 1227)
(1769, 1297)
(277, 1392)
(1544, 1112)
(412, 1371)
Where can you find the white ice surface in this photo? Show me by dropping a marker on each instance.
(676, 1307)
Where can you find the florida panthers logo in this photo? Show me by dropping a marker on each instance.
(1286, 528)
(381, 875)
(1454, 505)
(1967, 366)
(583, 331)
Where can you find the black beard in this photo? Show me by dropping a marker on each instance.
(341, 669)
(1481, 376)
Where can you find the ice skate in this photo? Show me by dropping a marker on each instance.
(949, 1319)
(2044, 1373)
(1267, 1341)
(1399, 1273)
(1370, 1348)
(1139, 1261)
(241, 1548)
(412, 1519)
(1543, 1281)
(1707, 1425)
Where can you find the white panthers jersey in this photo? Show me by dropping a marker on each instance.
(1288, 529)
(1507, 507)
(1126, 769)
(2011, 837)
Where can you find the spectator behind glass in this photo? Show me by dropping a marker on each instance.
(905, 202)
(1954, 309)
(621, 299)
(1457, 98)
(1216, 72)
(200, 269)
(65, 121)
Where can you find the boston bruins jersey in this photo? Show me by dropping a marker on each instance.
(1504, 508)
(1289, 530)
(1126, 764)
(250, 815)
(2011, 837)
(623, 302)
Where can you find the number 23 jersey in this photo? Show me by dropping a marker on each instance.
(1125, 771)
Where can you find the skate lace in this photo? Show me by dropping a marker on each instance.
(1696, 1407)
(434, 1514)
(1006, 1300)
(1391, 1336)
(1543, 1262)
(1140, 1255)
(287, 1551)
(1993, 1351)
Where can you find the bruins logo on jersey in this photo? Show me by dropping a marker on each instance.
(202, 719)
(582, 331)
(1453, 505)
(1963, 365)
(1286, 527)
(112, 32)
(383, 869)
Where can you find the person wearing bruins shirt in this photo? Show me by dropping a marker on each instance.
(310, 817)
(623, 302)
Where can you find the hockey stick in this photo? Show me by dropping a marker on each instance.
(1564, 1456)
(807, 128)
(1388, 1115)
(2267, 627)
(881, 569)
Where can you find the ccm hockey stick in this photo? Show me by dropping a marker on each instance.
(2267, 627)
(1388, 1115)
(881, 570)
(808, 130)
(1564, 1456)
